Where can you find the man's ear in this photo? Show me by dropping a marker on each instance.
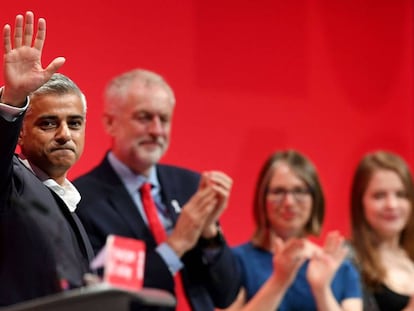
(108, 121)
(21, 135)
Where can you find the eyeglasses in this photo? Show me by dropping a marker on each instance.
(278, 195)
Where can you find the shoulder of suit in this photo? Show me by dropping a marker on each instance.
(95, 174)
(175, 168)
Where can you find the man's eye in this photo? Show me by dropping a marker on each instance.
(144, 118)
(165, 119)
(76, 124)
(45, 124)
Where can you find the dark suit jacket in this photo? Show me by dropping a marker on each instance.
(107, 208)
(41, 242)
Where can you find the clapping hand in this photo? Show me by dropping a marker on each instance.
(193, 218)
(324, 264)
(288, 258)
(221, 184)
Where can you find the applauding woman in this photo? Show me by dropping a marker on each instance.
(281, 268)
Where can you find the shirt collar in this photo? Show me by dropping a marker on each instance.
(131, 180)
(67, 192)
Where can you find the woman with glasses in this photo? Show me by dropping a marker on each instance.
(281, 268)
(382, 219)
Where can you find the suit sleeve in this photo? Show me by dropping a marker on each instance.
(24, 275)
(8, 141)
(221, 277)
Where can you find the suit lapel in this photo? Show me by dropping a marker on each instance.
(169, 192)
(77, 228)
(120, 200)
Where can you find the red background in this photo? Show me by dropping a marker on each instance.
(331, 78)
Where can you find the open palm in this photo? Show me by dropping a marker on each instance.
(23, 71)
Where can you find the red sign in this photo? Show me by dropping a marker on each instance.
(124, 262)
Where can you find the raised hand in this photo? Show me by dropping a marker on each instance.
(288, 258)
(23, 71)
(324, 264)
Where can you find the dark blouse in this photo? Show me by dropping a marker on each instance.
(388, 300)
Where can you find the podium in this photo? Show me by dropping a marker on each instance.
(102, 297)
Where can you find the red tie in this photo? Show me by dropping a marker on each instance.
(160, 235)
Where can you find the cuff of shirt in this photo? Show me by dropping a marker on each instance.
(10, 113)
(170, 257)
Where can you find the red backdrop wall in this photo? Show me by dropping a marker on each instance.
(331, 78)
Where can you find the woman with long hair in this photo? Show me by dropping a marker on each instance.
(382, 200)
